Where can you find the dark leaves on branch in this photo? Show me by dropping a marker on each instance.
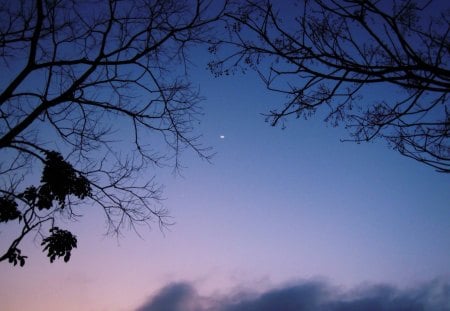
(60, 243)
(59, 179)
(8, 209)
(15, 257)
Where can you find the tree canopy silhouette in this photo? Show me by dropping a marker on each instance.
(332, 54)
(82, 81)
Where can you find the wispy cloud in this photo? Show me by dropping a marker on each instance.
(306, 296)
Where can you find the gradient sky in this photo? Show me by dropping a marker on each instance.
(275, 207)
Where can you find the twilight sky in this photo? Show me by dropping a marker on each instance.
(278, 215)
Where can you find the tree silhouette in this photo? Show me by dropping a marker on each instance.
(334, 52)
(81, 82)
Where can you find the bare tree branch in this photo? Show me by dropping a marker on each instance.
(90, 79)
(334, 52)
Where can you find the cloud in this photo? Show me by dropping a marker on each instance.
(307, 296)
(173, 297)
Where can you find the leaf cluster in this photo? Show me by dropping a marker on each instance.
(8, 209)
(60, 243)
(59, 179)
(15, 257)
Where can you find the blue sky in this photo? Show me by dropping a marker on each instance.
(274, 207)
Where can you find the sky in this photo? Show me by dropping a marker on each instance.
(280, 215)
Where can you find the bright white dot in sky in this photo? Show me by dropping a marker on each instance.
(222, 136)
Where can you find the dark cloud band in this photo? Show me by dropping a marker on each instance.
(307, 296)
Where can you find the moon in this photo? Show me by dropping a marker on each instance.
(222, 136)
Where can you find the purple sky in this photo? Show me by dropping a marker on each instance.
(275, 207)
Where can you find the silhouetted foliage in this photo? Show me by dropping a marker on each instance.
(59, 243)
(59, 180)
(331, 54)
(15, 257)
(83, 81)
(8, 209)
